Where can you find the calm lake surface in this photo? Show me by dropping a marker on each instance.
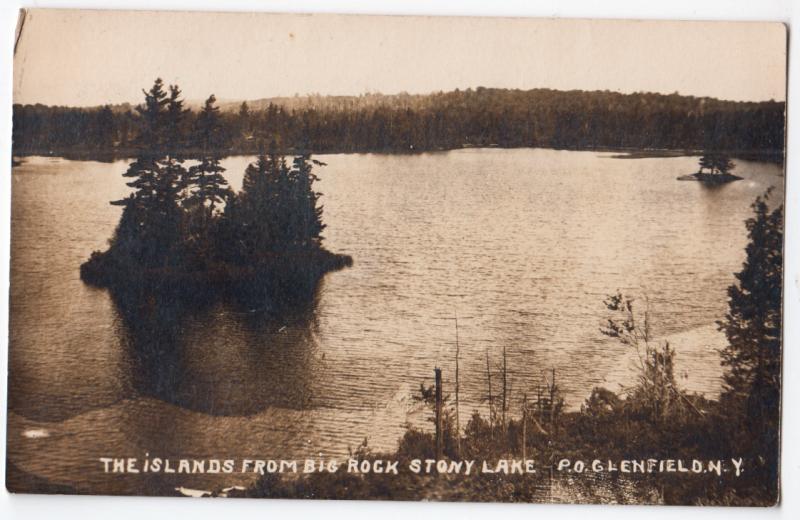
(522, 245)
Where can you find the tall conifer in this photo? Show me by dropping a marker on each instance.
(753, 328)
(209, 187)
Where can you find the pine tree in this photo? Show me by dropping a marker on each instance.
(753, 327)
(209, 186)
(172, 181)
(205, 186)
(723, 164)
(135, 226)
(175, 177)
(151, 117)
(716, 163)
(306, 222)
(260, 205)
(245, 127)
(152, 213)
(144, 170)
(706, 163)
(175, 120)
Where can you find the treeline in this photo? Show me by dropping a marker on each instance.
(444, 120)
(183, 229)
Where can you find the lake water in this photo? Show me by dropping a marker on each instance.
(521, 245)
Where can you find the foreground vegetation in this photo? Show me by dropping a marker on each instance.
(183, 232)
(652, 419)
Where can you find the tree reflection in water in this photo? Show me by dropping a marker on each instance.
(227, 356)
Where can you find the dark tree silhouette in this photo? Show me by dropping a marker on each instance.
(140, 228)
(716, 164)
(208, 187)
(753, 327)
(306, 216)
(176, 120)
(253, 216)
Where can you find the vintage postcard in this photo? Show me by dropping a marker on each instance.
(396, 258)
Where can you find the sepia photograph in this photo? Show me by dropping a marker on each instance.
(409, 258)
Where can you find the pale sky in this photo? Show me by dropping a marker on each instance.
(71, 57)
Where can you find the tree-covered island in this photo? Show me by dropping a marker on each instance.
(186, 234)
(713, 169)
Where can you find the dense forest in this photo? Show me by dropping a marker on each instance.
(438, 121)
(184, 233)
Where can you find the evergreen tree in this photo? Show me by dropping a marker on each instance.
(103, 135)
(137, 226)
(175, 176)
(151, 116)
(245, 127)
(151, 212)
(306, 223)
(706, 163)
(176, 116)
(144, 170)
(753, 327)
(716, 164)
(205, 185)
(172, 181)
(260, 205)
(209, 186)
(278, 208)
(723, 164)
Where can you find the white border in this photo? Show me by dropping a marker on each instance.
(124, 508)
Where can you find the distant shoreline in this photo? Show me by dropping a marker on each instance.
(771, 156)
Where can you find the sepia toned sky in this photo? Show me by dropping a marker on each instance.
(71, 57)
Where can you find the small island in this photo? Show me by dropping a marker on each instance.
(185, 235)
(714, 169)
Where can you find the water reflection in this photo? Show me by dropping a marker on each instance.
(224, 357)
